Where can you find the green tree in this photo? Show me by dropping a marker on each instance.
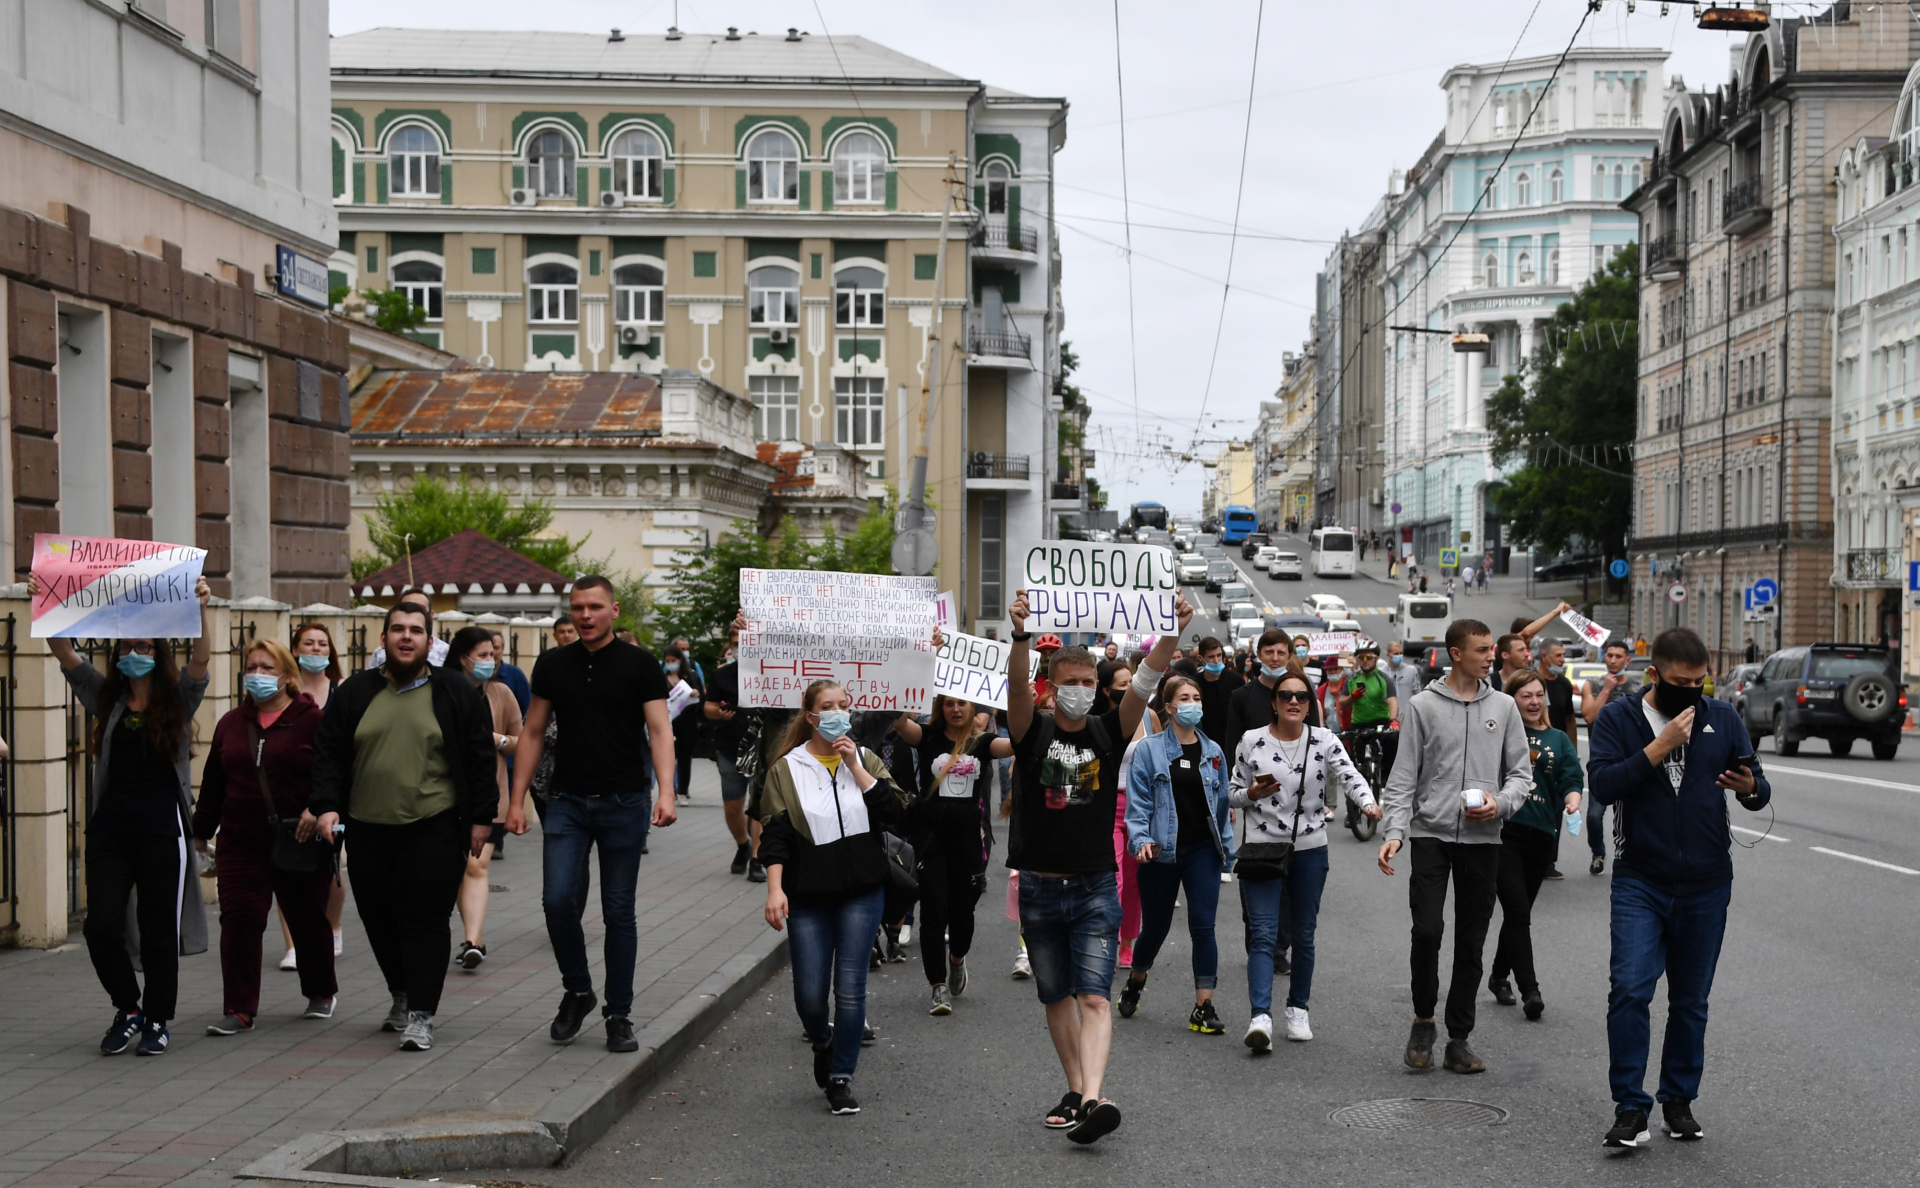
(392, 311)
(1570, 417)
(430, 511)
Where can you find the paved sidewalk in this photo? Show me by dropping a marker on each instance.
(69, 1116)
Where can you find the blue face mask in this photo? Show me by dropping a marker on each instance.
(262, 686)
(134, 665)
(1216, 668)
(1395, 660)
(1188, 714)
(315, 664)
(1273, 674)
(834, 724)
(483, 670)
(671, 666)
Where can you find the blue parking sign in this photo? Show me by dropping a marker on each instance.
(1913, 575)
(1619, 567)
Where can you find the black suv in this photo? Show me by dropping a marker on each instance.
(1836, 691)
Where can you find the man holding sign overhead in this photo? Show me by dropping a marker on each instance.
(1060, 838)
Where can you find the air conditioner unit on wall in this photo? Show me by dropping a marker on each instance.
(635, 334)
(779, 335)
(612, 198)
(522, 196)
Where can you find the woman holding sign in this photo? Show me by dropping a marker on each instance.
(822, 807)
(137, 834)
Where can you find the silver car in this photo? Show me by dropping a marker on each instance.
(1193, 569)
(1284, 565)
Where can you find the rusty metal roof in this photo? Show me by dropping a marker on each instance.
(506, 406)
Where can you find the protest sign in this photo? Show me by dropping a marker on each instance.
(945, 615)
(871, 632)
(975, 669)
(1592, 632)
(1330, 643)
(94, 587)
(1075, 585)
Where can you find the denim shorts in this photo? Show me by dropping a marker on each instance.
(1072, 930)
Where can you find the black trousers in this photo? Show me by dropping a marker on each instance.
(405, 879)
(1474, 868)
(119, 865)
(952, 871)
(1525, 855)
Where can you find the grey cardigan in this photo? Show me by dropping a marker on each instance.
(87, 682)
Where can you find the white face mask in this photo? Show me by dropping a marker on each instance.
(1074, 701)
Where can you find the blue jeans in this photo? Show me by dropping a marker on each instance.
(572, 828)
(1072, 930)
(830, 943)
(1653, 934)
(1300, 891)
(1198, 869)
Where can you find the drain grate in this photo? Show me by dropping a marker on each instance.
(1419, 1113)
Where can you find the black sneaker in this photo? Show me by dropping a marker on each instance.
(895, 954)
(740, 855)
(1534, 1005)
(471, 955)
(620, 1036)
(153, 1039)
(1553, 874)
(1420, 1046)
(1598, 864)
(1281, 966)
(121, 1033)
(1205, 1020)
(1130, 995)
(840, 1097)
(1502, 991)
(1681, 1126)
(574, 1009)
(1460, 1058)
(868, 1034)
(1629, 1126)
(756, 871)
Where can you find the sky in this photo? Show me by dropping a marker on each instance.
(1342, 93)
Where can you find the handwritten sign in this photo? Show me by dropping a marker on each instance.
(974, 668)
(1592, 632)
(1077, 585)
(94, 587)
(945, 615)
(873, 633)
(1330, 643)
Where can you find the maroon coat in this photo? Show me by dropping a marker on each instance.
(229, 788)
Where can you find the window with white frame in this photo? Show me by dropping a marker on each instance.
(859, 169)
(773, 168)
(639, 295)
(773, 296)
(998, 179)
(550, 162)
(1636, 177)
(1556, 187)
(638, 164)
(553, 293)
(413, 163)
(1490, 192)
(1619, 181)
(424, 282)
(860, 410)
(1553, 266)
(1523, 268)
(859, 297)
(776, 407)
(1523, 188)
(1599, 181)
(1490, 270)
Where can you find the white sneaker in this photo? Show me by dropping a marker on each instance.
(337, 943)
(418, 1036)
(1022, 968)
(1260, 1033)
(287, 963)
(1297, 1029)
(906, 934)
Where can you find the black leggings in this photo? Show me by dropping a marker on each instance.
(119, 866)
(1525, 855)
(952, 870)
(405, 879)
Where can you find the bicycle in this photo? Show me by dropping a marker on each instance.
(1369, 755)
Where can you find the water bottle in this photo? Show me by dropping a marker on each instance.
(1573, 823)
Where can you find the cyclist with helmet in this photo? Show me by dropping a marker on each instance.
(1371, 701)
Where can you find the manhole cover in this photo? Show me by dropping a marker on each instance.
(1419, 1113)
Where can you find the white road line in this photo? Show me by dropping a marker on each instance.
(1757, 833)
(1868, 861)
(1845, 779)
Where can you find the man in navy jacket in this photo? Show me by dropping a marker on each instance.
(1665, 759)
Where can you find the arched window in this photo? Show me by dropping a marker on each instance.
(1523, 268)
(1619, 181)
(773, 296)
(998, 178)
(423, 281)
(553, 293)
(1556, 187)
(1599, 181)
(1523, 189)
(773, 168)
(638, 163)
(859, 168)
(1636, 177)
(550, 164)
(413, 163)
(342, 165)
(639, 295)
(1490, 192)
(1490, 271)
(1553, 266)
(859, 297)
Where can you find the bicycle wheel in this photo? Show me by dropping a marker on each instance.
(1362, 826)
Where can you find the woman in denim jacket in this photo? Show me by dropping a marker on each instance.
(1178, 829)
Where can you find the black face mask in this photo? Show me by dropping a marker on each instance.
(1674, 700)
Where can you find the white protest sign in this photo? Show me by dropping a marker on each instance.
(1592, 632)
(944, 611)
(109, 588)
(1330, 643)
(871, 632)
(975, 669)
(1075, 585)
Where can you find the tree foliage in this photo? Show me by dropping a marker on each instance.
(431, 511)
(392, 311)
(1569, 416)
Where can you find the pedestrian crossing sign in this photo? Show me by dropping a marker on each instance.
(1449, 558)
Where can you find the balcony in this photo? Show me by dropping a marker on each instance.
(1663, 257)
(1066, 492)
(1007, 348)
(987, 471)
(1744, 207)
(1005, 237)
(1873, 567)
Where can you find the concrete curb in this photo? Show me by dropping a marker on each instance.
(571, 1121)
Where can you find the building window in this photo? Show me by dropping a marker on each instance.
(1637, 176)
(859, 169)
(1599, 181)
(423, 283)
(993, 533)
(639, 294)
(1600, 263)
(413, 169)
(553, 293)
(1523, 189)
(1489, 193)
(859, 298)
(860, 410)
(550, 164)
(483, 261)
(1523, 267)
(1490, 271)
(1556, 187)
(999, 178)
(776, 407)
(1553, 266)
(773, 168)
(638, 164)
(773, 296)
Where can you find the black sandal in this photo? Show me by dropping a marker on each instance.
(1097, 1120)
(1068, 1109)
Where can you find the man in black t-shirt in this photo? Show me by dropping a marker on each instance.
(722, 708)
(1060, 840)
(613, 698)
(1217, 683)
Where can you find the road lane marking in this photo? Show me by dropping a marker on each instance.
(1868, 861)
(1758, 834)
(1845, 779)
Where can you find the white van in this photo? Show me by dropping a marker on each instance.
(1333, 552)
(1420, 620)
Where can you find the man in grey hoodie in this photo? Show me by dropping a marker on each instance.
(1464, 766)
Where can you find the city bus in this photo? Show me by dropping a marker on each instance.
(1236, 522)
(1335, 552)
(1148, 514)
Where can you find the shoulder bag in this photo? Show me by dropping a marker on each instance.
(287, 853)
(1261, 861)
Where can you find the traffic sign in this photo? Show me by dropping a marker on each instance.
(914, 552)
(1449, 558)
(1396, 509)
(1913, 576)
(1766, 590)
(1619, 567)
(1677, 593)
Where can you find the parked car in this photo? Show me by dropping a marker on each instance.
(1253, 544)
(1837, 691)
(1327, 606)
(1193, 569)
(1566, 567)
(1284, 565)
(1219, 572)
(1733, 687)
(1234, 594)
